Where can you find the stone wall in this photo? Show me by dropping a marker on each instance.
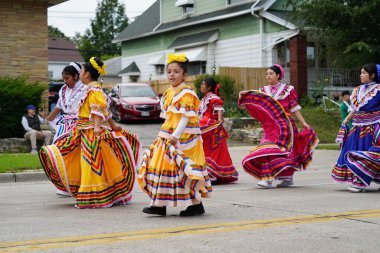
(246, 130)
(24, 39)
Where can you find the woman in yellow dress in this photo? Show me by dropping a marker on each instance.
(96, 162)
(173, 171)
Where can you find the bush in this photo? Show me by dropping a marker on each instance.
(228, 93)
(15, 95)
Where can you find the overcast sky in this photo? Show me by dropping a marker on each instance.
(75, 15)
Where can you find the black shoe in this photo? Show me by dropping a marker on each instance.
(193, 210)
(159, 210)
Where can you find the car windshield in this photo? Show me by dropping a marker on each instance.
(137, 91)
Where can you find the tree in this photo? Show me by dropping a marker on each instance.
(349, 28)
(110, 20)
(54, 32)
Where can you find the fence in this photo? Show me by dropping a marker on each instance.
(245, 78)
(161, 85)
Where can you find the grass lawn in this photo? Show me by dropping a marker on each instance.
(332, 146)
(325, 124)
(19, 162)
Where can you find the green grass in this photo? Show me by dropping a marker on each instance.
(332, 146)
(325, 124)
(19, 162)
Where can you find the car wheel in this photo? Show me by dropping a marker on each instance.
(116, 116)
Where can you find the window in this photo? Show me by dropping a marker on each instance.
(160, 68)
(310, 50)
(50, 75)
(196, 68)
(231, 2)
(188, 9)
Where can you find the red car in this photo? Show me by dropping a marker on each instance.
(134, 101)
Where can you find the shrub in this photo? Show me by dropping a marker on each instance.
(15, 95)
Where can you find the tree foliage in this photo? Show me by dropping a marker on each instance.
(349, 28)
(54, 32)
(110, 20)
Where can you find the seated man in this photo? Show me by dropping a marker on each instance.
(32, 125)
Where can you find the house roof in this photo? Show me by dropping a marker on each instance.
(196, 38)
(149, 22)
(113, 66)
(143, 24)
(55, 2)
(63, 50)
(131, 69)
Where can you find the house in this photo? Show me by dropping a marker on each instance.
(61, 52)
(113, 68)
(24, 38)
(214, 34)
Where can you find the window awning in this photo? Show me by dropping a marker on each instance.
(181, 3)
(195, 54)
(157, 60)
(130, 70)
(195, 39)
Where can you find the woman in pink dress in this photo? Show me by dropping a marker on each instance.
(283, 149)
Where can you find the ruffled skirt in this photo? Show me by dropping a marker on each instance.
(218, 160)
(98, 172)
(359, 159)
(172, 177)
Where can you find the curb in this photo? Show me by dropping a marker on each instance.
(15, 177)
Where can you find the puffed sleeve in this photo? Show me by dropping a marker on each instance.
(98, 104)
(216, 104)
(293, 101)
(187, 104)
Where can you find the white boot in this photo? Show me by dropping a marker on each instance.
(62, 193)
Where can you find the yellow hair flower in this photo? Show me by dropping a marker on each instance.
(176, 57)
(101, 70)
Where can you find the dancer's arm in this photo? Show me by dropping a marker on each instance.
(53, 114)
(348, 118)
(173, 139)
(301, 119)
(97, 121)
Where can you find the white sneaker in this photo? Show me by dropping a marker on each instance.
(265, 184)
(355, 189)
(34, 151)
(62, 193)
(285, 183)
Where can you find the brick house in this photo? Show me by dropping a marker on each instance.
(214, 34)
(24, 38)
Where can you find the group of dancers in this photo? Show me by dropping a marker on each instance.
(94, 160)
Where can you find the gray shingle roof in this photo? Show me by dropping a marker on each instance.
(132, 68)
(145, 23)
(113, 66)
(193, 38)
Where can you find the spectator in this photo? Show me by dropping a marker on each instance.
(344, 106)
(32, 126)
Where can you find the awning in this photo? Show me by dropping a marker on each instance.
(195, 54)
(131, 70)
(195, 39)
(157, 60)
(180, 3)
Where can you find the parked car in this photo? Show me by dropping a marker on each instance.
(53, 95)
(134, 101)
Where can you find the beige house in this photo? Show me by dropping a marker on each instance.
(24, 38)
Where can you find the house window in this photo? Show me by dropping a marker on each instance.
(283, 54)
(160, 68)
(196, 68)
(186, 5)
(231, 2)
(50, 75)
(188, 9)
(310, 50)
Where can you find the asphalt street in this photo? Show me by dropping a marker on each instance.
(315, 215)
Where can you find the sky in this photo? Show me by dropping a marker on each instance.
(75, 15)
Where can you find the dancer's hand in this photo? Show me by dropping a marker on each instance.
(305, 125)
(172, 140)
(97, 131)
